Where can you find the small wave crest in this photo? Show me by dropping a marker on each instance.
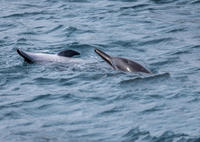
(151, 78)
(168, 136)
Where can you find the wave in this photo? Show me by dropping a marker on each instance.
(135, 6)
(54, 29)
(153, 78)
(195, 2)
(168, 136)
(25, 14)
(156, 41)
(163, 1)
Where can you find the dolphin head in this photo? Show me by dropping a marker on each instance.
(122, 64)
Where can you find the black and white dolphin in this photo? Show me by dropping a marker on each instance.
(62, 57)
(122, 64)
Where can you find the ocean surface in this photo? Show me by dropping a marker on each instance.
(89, 101)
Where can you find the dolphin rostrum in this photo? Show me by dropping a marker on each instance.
(63, 56)
(122, 64)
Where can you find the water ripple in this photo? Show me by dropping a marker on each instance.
(135, 6)
(153, 78)
(25, 14)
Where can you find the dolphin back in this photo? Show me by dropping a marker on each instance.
(63, 56)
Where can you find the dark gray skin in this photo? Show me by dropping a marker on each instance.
(122, 64)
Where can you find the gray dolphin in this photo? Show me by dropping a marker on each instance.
(122, 64)
(63, 56)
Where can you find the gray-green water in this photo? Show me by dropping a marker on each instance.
(89, 101)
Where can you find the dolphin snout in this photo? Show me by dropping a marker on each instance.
(104, 56)
(97, 51)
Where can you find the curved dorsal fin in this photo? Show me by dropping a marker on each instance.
(68, 53)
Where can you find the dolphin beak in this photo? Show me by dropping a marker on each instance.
(104, 56)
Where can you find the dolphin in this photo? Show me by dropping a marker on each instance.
(122, 64)
(62, 57)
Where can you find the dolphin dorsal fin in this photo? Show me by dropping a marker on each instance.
(68, 53)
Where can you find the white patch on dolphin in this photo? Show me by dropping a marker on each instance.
(62, 57)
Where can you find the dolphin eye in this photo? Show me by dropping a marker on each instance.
(124, 60)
